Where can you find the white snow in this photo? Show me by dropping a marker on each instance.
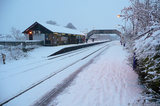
(108, 81)
(38, 54)
(19, 75)
(148, 42)
(60, 29)
(6, 38)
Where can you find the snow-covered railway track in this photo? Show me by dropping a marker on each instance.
(44, 101)
(53, 74)
(64, 55)
(43, 62)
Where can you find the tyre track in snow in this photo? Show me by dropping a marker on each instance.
(48, 77)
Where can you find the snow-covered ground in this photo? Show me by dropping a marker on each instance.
(17, 76)
(107, 81)
(35, 55)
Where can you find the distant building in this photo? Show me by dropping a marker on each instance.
(53, 35)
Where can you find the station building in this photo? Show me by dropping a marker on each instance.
(53, 35)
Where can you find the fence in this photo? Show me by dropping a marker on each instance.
(23, 43)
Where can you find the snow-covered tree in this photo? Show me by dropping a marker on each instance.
(142, 38)
(71, 26)
(142, 14)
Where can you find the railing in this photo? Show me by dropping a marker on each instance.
(110, 31)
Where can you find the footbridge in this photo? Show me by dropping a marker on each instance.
(106, 31)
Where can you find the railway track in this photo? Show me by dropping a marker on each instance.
(43, 62)
(49, 58)
(45, 100)
(55, 73)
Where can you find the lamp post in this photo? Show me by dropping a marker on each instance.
(119, 16)
(123, 27)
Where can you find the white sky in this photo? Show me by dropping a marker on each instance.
(84, 14)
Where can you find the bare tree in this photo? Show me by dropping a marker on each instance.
(52, 22)
(16, 34)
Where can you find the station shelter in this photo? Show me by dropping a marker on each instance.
(53, 35)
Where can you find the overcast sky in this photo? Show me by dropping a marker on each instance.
(84, 14)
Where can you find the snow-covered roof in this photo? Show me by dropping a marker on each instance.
(60, 29)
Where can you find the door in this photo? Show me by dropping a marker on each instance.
(31, 37)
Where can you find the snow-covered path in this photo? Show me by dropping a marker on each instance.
(108, 81)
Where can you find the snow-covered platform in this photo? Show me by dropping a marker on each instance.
(107, 81)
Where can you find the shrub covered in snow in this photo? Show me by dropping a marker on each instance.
(142, 37)
(147, 50)
(15, 52)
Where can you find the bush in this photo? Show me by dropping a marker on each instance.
(149, 72)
